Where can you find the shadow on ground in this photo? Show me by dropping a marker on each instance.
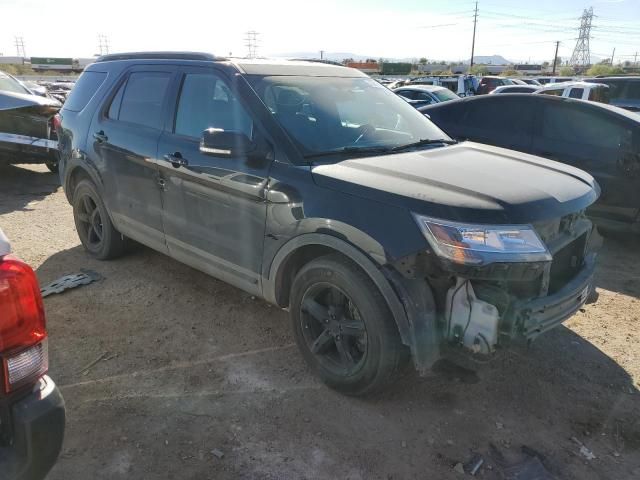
(619, 265)
(19, 186)
(200, 365)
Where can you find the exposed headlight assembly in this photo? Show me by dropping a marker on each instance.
(471, 244)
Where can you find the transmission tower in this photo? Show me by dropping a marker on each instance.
(252, 43)
(103, 44)
(20, 51)
(581, 57)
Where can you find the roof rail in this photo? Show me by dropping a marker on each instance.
(158, 56)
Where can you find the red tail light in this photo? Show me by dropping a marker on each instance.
(56, 122)
(22, 325)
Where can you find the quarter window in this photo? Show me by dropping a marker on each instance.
(206, 101)
(576, 92)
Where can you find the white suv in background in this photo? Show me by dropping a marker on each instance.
(596, 92)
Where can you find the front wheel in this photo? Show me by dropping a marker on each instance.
(344, 328)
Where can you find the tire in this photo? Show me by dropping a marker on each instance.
(345, 358)
(98, 235)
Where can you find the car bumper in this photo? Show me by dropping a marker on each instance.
(537, 316)
(38, 423)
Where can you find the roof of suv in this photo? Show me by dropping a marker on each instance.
(261, 66)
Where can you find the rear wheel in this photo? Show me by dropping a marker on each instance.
(97, 234)
(344, 328)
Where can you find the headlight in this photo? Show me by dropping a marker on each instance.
(482, 244)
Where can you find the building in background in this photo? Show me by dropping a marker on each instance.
(366, 67)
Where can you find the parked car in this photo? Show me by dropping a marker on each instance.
(596, 92)
(421, 95)
(488, 84)
(316, 188)
(624, 92)
(36, 88)
(598, 138)
(27, 130)
(32, 412)
(546, 80)
(515, 89)
(531, 81)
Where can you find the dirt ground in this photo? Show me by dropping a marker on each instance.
(192, 368)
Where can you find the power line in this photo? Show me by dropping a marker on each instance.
(20, 50)
(252, 43)
(581, 56)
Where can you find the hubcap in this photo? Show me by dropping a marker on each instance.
(89, 221)
(333, 329)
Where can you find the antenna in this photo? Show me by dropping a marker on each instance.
(252, 43)
(20, 51)
(581, 57)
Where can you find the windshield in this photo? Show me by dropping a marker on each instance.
(323, 114)
(445, 95)
(10, 84)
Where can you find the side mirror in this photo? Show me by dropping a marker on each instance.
(225, 143)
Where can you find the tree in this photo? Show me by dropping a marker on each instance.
(567, 71)
(545, 64)
(601, 69)
(479, 69)
(422, 61)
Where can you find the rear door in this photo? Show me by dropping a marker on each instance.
(214, 206)
(501, 120)
(599, 142)
(125, 133)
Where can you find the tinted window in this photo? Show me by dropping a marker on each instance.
(84, 89)
(114, 109)
(500, 115)
(556, 92)
(410, 94)
(143, 97)
(206, 101)
(424, 96)
(585, 126)
(518, 90)
(576, 92)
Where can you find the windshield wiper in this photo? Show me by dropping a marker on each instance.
(420, 143)
(349, 150)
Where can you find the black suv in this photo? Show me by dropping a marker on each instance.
(316, 188)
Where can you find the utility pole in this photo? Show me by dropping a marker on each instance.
(613, 55)
(252, 43)
(321, 54)
(635, 60)
(581, 58)
(473, 42)
(555, 59)
(19, 43)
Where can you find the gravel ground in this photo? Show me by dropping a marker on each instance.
(199, 380)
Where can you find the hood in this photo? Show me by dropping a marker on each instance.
(466, 182)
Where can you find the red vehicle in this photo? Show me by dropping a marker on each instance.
(32, 413)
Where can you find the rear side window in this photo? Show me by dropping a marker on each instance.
(84, 89)
(142, 99)
(576, 92)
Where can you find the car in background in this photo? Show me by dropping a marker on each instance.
(624, 92)
(27, 125)
(36, 88)
(421, 95)
(546, 80)
(490, 83)
(595, 92)
(601, 139)
(515, 89)
(32, 412)
(530, 81)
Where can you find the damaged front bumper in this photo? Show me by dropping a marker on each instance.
(534, 317)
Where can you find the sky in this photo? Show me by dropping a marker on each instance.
(519, 30)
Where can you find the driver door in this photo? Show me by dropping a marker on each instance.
(214, 207)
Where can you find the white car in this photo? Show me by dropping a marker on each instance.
(515, 89)
(596, 92)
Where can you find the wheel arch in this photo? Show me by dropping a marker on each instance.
(302, 249)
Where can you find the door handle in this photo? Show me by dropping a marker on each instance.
(176, 159)
(100, 136)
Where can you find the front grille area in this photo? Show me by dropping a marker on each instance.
(566, 263)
